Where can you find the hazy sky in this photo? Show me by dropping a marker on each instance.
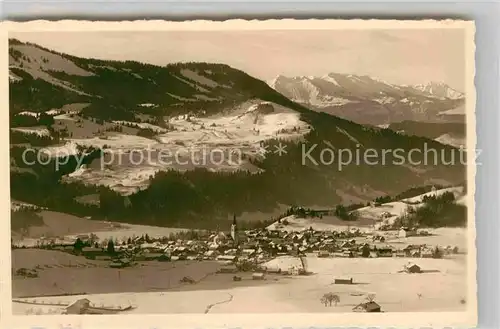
(397, 56)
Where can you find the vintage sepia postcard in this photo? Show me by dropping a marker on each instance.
(277, 173)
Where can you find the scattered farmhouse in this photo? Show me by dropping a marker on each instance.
(406, 232)
(78, 307)
(258, 276)
(343, 281)
(370, 306)
(412, 268)
(323, 254)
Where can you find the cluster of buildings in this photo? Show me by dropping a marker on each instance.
(249, 247)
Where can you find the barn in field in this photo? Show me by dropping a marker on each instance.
(406, 232)
(412, 268)
(80, 306)
(370, 306)
(343, 281)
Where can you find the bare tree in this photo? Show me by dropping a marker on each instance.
(333, 298)
(324, 300)
(370, 297)
(330, 298)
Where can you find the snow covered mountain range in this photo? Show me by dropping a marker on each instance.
(368, 100)
(439, 90)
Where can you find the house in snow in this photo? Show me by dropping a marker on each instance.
(323, 254)
(248, 252)
(228, 269)
(343, 281)
(80, 306)
(210, 254)
(427, 253)
(228, 258)
(367, 307)
(400, 253)
(347, 254)
(258, 276)
(412, 268)
(385, 252)
(405, 232)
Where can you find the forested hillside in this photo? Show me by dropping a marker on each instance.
(43, 81)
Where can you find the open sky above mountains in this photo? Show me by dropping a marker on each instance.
(397, 56)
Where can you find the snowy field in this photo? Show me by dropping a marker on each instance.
(441, 287)
(219, 143)
(142, 125)
(58, 224)
(396, 209)
(368, 217)
(128, 230)
(327, 223)
(443, 237)
(40, 131)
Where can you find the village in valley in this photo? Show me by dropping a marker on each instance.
(298, 245)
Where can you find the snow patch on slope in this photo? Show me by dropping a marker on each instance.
(68, 149)
(213, 143)
(451, 140)
(37, 62)
(439, 90)
(330, 79)
(184, 99)
(143, 125)
(148, 105)
(39, 131)
(28, 113)
(460, 110)
(342, 131)
(398, 208)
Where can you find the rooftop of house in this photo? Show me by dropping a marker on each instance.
(368, 306)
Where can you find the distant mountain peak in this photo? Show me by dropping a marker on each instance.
(367, 99)
(439, 89)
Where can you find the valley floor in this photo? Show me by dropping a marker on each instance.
(154, 287)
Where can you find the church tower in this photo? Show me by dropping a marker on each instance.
(234, 231)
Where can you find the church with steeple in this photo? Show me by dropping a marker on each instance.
(234, 231)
